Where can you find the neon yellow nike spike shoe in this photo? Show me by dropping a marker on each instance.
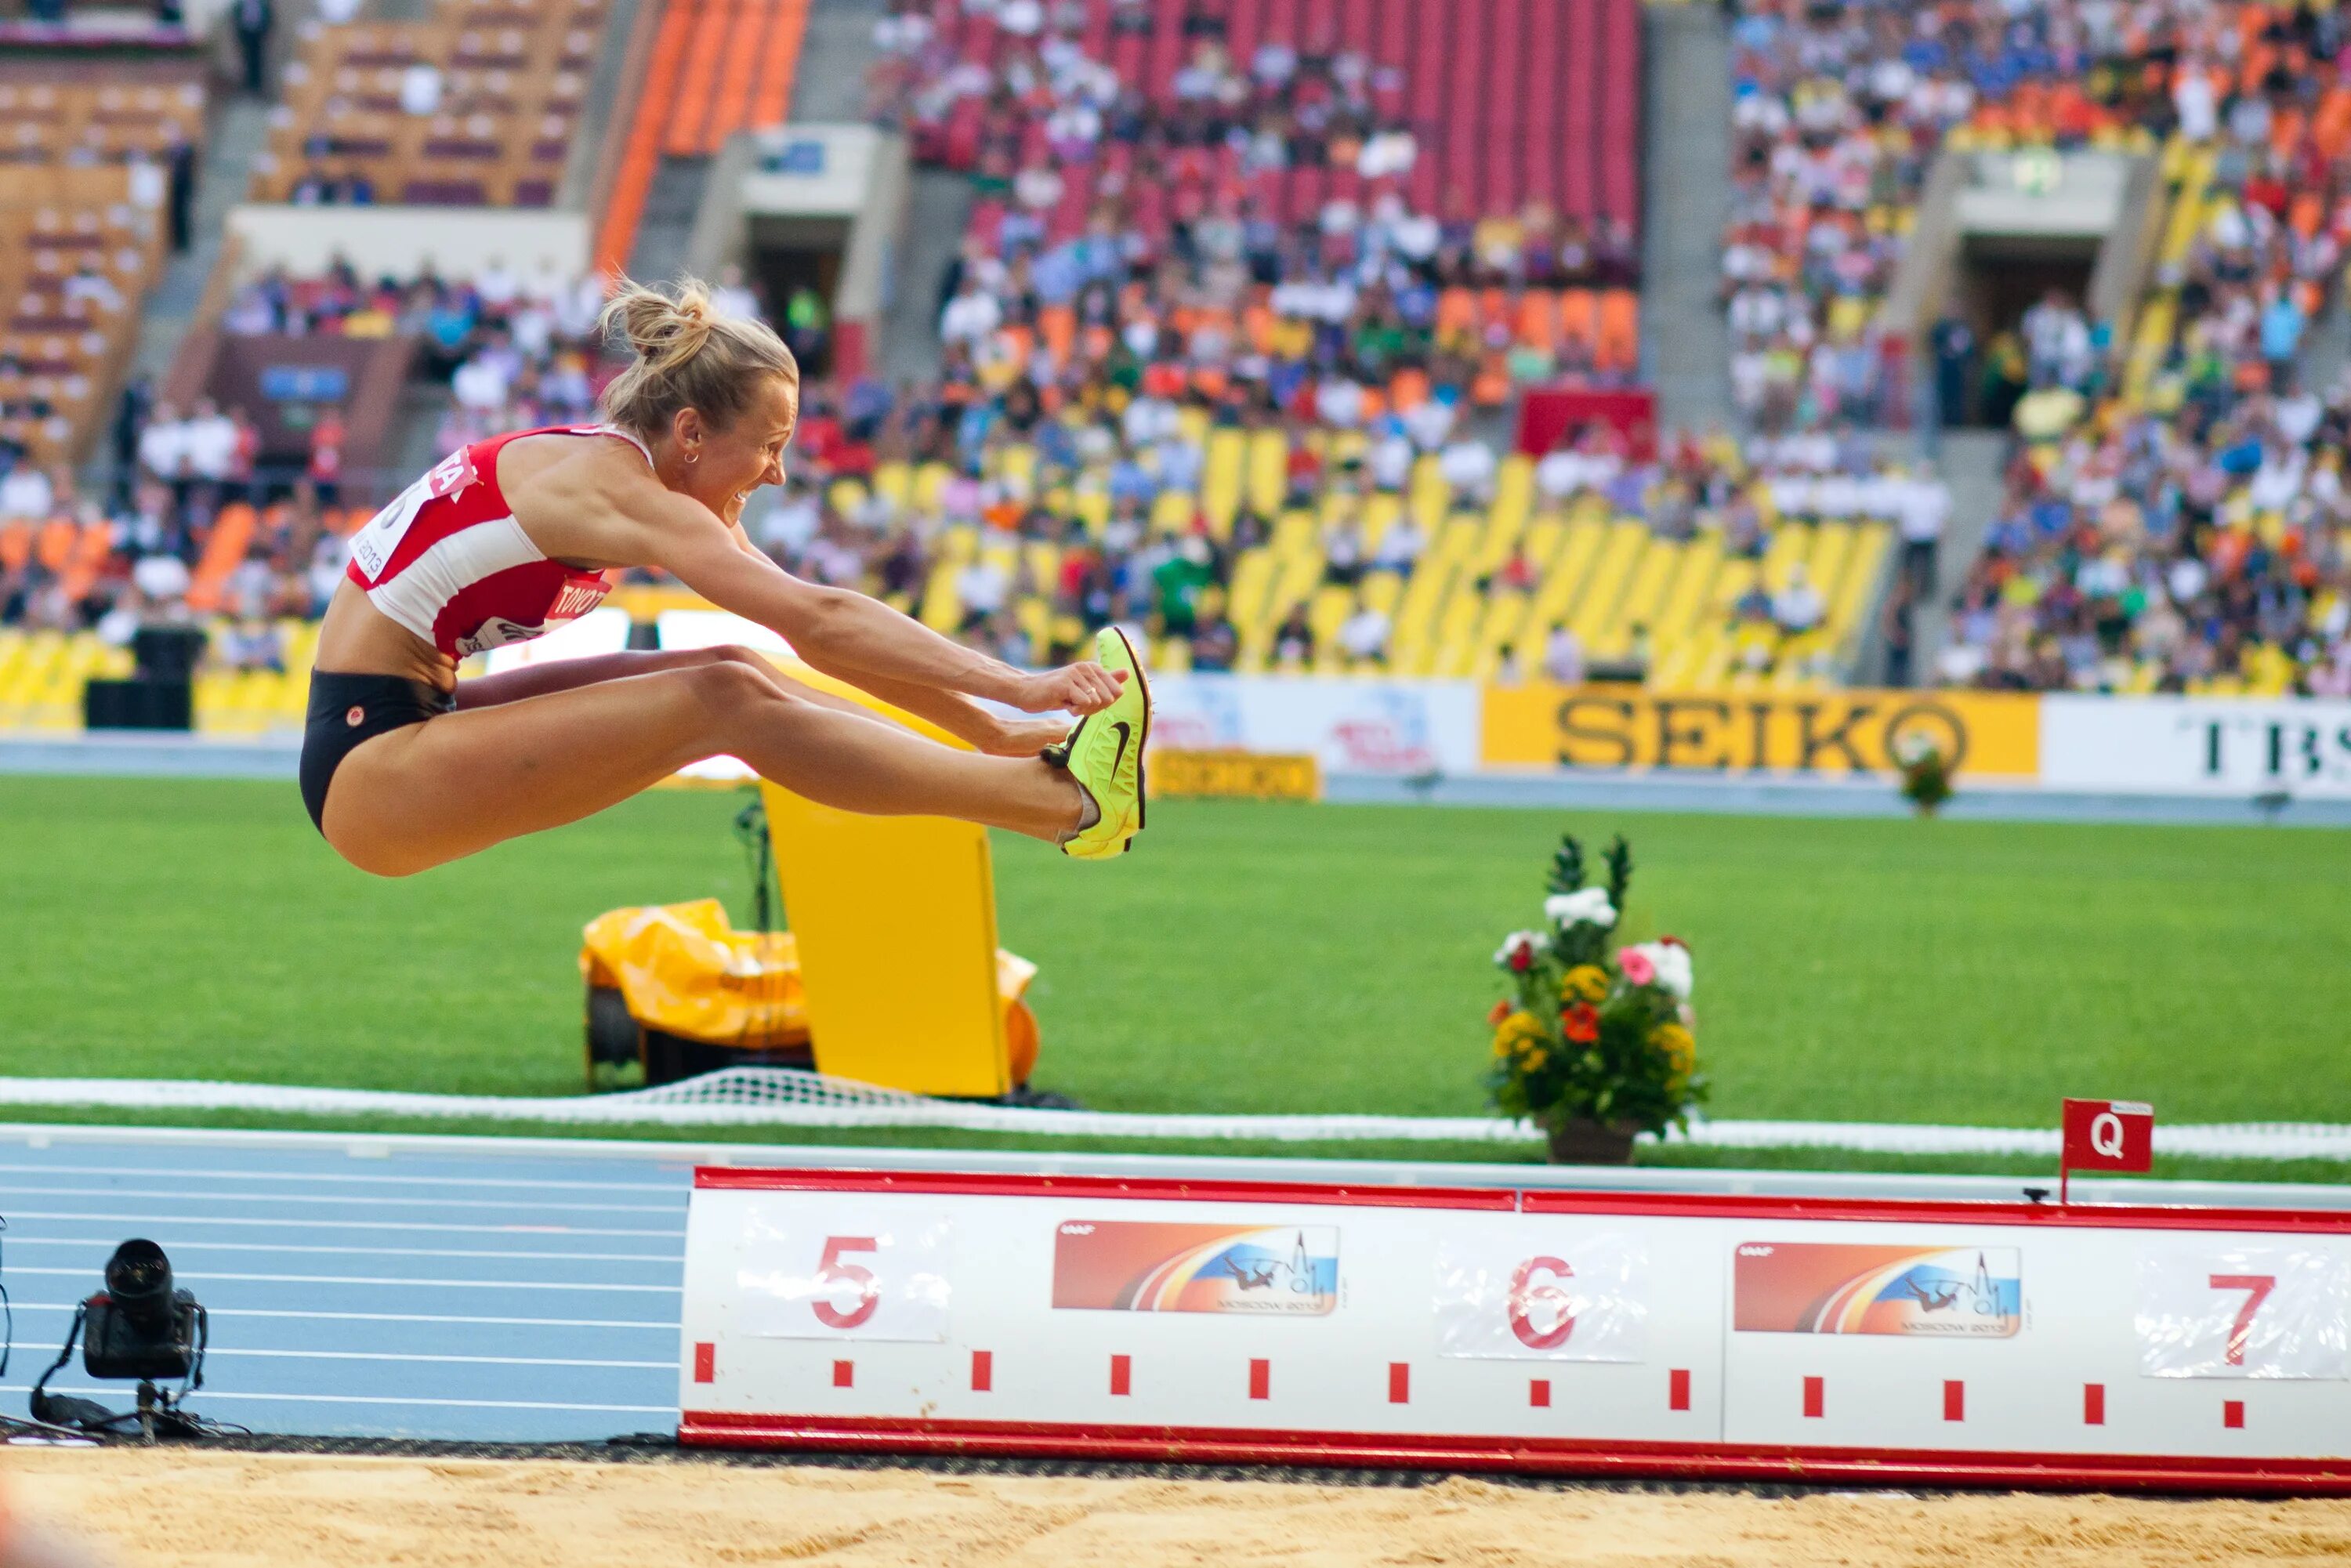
(1105, 754)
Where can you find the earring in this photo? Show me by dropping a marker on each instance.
(693, 458)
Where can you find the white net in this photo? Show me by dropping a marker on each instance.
(783, 1099)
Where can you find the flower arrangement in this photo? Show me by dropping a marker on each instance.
(1593, 1044)
(1925, 772)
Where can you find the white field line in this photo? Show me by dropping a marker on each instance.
(669, 1366)
(105, 1244)
(214, 1173)
(154, 1218)
(664, 1327)
(211, 1276)
(223, 1397)
(887, 1109)
(355, 1200)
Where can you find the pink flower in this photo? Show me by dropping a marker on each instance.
(1637, 967)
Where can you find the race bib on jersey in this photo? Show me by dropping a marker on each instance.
(373, 546)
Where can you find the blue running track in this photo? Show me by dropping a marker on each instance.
(381, 1292)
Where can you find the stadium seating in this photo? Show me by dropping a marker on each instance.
(718, 67)
(1606, 576)
(478, 107)
(81, 234)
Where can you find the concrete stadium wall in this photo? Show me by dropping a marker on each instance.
(401, 241)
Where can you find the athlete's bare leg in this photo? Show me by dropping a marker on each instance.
(432, 792)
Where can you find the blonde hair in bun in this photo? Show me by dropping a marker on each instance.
(687, 356)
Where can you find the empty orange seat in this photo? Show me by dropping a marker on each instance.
(1578, 312)
(54, 545)
(224, 550)
(1538, 325)
(1618, 346)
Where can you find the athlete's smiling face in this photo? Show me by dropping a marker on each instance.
(720, 468)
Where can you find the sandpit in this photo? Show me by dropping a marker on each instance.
(217, 1510)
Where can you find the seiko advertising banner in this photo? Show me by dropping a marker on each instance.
(1825, 734)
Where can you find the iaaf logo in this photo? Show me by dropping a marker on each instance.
(1752, 1250)
(1074, 1229)
(1394, 741)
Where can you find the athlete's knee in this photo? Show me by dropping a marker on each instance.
(731, 690)
(736, 654)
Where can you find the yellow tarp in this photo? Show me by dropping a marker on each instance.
(685, 970)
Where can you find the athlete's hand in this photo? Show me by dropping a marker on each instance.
(1024, 737)
(1074, 688)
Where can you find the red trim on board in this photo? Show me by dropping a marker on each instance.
(1399, 1383)
(737, 1178)
(706, 1361)
(1955, 1399)
(1122, 1374)
(2094, 1404)
(2233, 1413)
(1815, 1396)
(1260, 1378)
(1539, 1393)
(1669, 1205)
(983, 1371)
(2141, 1472)
(1677, 1388)
(844, 1374)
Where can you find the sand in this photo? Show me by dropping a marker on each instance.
(214, 1510)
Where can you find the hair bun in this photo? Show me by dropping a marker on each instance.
(665, 332)
(688, 355)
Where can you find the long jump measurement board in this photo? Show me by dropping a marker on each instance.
(1577, 1333)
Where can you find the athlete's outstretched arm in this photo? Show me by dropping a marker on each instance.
(956, 714)
(848, 634)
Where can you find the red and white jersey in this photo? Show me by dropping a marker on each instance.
(447, 560)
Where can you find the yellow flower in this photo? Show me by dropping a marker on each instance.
(1517, 1032)
(1678, 1045)
(1586, 983)
(1533, 1061)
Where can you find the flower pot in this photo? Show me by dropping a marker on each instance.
(1584, 1141)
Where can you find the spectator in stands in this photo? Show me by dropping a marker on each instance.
(25, 492)
(253, 20)
(1293, 640)
(1363, 636)
(164, 450)
(730, 296)
(1562, 659)
(130, 412)
(1897, 629)
(1401, 546)
(1214, 642)
(1798, 607)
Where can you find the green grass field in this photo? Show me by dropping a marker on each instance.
(1246, 959)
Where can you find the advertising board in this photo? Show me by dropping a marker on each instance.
(1542, 1330)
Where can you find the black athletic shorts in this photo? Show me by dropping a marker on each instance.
(348, 709)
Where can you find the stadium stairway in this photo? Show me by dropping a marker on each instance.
(1685, 156)
(938, 210)
(238, 130)
(1970, 462)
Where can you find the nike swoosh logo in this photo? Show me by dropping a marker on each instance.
(1125, 734)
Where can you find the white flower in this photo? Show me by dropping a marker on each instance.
(1590, 906)
(1533, 942)
(1912, 748)
(1672, 962)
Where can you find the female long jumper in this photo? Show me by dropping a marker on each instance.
(404, 767)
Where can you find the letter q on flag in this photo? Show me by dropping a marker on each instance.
(2109, 1135)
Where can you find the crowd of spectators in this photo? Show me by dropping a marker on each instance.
(2170, 517)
